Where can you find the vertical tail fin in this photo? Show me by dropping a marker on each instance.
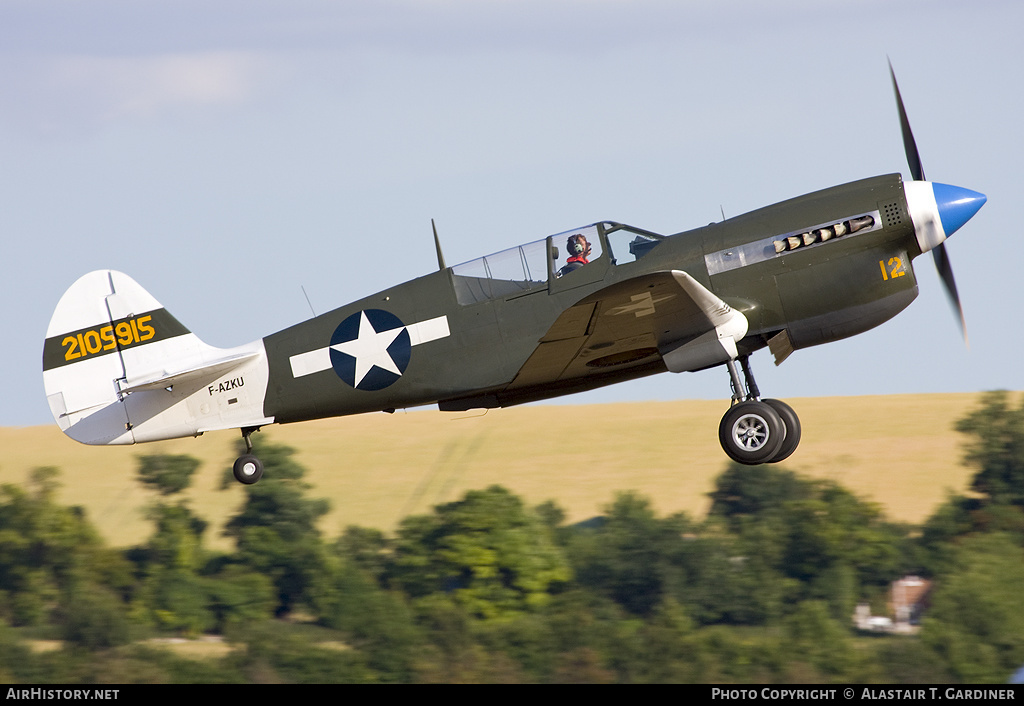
(118, 368)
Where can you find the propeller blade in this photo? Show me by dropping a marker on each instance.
(946, 273)
(955, 205)
(909, 145)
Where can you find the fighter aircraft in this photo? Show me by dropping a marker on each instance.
(569, 312)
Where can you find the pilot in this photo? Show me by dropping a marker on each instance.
(579, 250)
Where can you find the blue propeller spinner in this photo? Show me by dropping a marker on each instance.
(956, 205)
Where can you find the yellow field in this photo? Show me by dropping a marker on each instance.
(900, 451)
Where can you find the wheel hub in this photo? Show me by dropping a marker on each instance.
(751, 432)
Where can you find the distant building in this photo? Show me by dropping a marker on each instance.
(908, 598)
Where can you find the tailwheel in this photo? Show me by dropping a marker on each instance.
(248, 469)
(752, 432)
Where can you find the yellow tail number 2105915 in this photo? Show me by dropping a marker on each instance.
(120, 334)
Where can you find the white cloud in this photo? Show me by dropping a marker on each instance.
(147, 86)
(75, 92)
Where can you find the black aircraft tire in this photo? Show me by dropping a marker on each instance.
(751, 433)
(247, 469)
(792, 423)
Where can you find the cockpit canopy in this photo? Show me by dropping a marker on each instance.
(531, 266)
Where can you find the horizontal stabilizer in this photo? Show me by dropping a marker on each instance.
(203, 372)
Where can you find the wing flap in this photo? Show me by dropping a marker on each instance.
(573, 323)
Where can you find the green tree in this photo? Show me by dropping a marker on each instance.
(951, 521)
(745, 492)
(367, 549)
(173, 595)
(995, 446)
(276, 529)
(377, 622)
(167, 473)
(92, 616)
(835, 546)
(639, 560)
(666, 646)
(815, 638)
(238, 596)
(46, 550)
(177, 538)
(488, 551)
(627, 555)
(732, 579)
(976, 619)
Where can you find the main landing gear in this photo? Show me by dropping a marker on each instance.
(248, 469)
(756, 431)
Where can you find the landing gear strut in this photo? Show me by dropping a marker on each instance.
(756, 431)
(248, 469)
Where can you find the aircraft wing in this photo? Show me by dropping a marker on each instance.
(664, 314)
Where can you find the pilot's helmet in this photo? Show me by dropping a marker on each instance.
(576, 245)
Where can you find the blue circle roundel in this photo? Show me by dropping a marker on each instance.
(370, 350)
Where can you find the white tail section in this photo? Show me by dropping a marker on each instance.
(118, 368)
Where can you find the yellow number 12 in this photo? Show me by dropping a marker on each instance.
(895, 270)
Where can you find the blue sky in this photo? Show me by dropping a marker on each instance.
(227, 154)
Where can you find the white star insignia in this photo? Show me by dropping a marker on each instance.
(370, 348)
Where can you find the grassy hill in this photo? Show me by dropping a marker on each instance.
(900, 451)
